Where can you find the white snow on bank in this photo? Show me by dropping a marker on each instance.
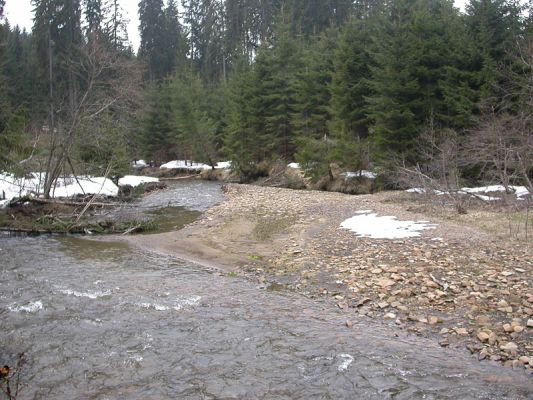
(181, 164)
(69, 187)
(293, 165)
(519, 191)
(385, 227)
(12, 187)
(191, 165)
(135, 181)
(363, 173)
(139, 164)
(223, 165)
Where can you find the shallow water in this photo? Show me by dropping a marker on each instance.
(100, 320)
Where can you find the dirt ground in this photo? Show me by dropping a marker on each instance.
(460, 283)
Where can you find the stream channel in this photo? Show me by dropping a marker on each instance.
(99, 320)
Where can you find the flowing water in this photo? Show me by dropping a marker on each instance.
(100, 320)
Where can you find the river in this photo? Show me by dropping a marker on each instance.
(99, 320)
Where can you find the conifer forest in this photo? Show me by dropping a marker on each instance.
(361, 84)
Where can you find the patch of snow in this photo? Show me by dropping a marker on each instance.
(31, 307)
(384, 227)
(363, 212)
(68, 187)
(363, 173)
(12, 187)
(182, 164)
(223, 165)
(519, 191)
(135, 181)
(139, 164)
(293, 165)
(347, 360)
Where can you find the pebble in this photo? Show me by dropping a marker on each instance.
(509, 347)
(461, 331)
(483, 336)
(529, 323)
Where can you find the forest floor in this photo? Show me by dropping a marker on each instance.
(467, 282)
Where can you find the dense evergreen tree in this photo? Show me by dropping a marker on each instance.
(93, 17)
(494, 26)
(152, 29)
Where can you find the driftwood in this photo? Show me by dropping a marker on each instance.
(178, 178)
(68, 203)
(132, 229)
(24, 230)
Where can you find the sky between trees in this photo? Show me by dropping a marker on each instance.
(19, 12)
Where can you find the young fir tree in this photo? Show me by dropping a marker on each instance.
(242, 122)
(158, 133)
(418, 53)
(196, 127)
(275, 71)
(313, 112)
(494, 25)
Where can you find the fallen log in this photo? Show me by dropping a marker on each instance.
(68, 203)
(178, 178)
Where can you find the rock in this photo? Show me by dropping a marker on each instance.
(508, 328)
(493, 338)
(432, 320)
(502, 303)
(376, 271)
(483, 354)
(349, 323)
(483, 336)
(482, 320)
(529, 323)
(461, 331)
(510, 347)
(444, 331)
(518, 328)
(526, 360)
(385, 282)
(383, 304)
(362, 302)
(390, 316)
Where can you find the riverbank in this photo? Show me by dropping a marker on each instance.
(454, 283)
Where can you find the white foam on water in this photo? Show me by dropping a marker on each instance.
(178, 304)
(90, 294)
(155, 306)
(31, 307)
(347, 360)
(189, 302)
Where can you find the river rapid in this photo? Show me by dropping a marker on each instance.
(99, 320)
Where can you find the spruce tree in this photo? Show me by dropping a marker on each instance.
(93, 17)
(152, 30)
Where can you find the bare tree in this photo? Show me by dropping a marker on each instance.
(109, 85)
(502, 144)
